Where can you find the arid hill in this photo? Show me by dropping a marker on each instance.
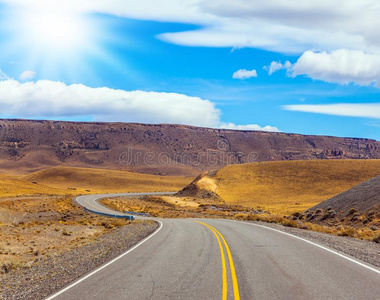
(360, 199)
(92, 180)
(70, 180)
(357, 208)
(283, 187)
(27, 146)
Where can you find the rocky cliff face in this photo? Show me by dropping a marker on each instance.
(160, 149)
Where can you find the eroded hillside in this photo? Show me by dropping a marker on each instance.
(27, 146)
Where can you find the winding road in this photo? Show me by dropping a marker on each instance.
(223, 259)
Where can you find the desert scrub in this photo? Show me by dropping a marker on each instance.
(352, 211)
(347, 232)
(66, 233)
(7, 266)
(330, 213)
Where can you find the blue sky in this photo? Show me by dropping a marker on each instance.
(168, 65)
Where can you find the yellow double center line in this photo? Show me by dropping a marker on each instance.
(224, 268)
(90, 204)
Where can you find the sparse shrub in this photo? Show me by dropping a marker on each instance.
(304, 226)
(367, 220)
(330, 213)
(297, 216)
(352, 211)
(107, 225)
(377, 239)
(241, 216)
(371, 214)
(253, 217)
(355, 217)
(7, 266)
(64, 232)
(289, 223)
(347, 232)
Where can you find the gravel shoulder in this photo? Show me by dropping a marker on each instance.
(53, 273)
(366, 251)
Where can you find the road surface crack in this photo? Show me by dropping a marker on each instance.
(153, 287)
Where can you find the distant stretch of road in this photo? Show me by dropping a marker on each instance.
(90, 202)
(224, 259)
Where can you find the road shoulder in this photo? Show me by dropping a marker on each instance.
(366, 251)
(53, 273)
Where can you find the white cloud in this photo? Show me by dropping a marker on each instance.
(373, 124)
(366, 110)
(340, 66)
(249, 127)
(277, 66)
(244, 74)
(27, 75)
(286, 26)
(51, 99)
(159, 10)
(46, 98)
(276, 25)
(3, 76)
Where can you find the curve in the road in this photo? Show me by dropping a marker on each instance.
(90, 202)
(183, 261)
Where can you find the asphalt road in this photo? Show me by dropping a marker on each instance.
(222, 259)
(91, 201)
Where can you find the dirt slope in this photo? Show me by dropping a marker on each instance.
(27, 146)
(203, 187)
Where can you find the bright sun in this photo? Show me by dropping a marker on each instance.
(56, 40)
(57, 30)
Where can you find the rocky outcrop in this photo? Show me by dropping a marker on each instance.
(202, 187)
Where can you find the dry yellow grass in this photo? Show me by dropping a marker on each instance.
(84, 180)
(180, 201)
(70, 181)
(33, 228)
(15, 186)
(290, 186)
(206, 183)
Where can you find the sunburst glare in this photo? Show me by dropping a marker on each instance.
(57, 41)
(56, 30)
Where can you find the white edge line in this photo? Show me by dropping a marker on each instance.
(106, 265)
(314, 244)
